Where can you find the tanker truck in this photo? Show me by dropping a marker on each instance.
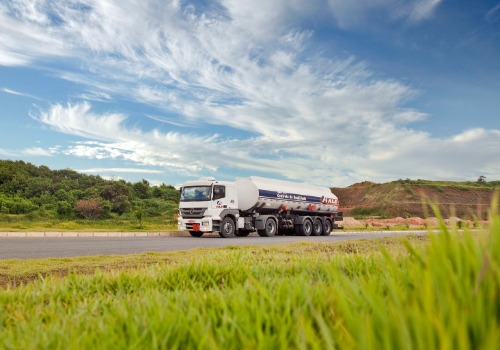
(270, 207)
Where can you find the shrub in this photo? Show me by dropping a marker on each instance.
(64, 209)
(16, 205)
(156, 207)
(89, 208)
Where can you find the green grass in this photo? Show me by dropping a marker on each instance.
(436, 292)
(464, 185)
(363, 213)
(26, 222)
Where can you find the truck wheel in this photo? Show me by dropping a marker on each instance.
(227, 228)
(270, 229)
(305, 229)
(327, 228)
(196, 233)
(317, 228)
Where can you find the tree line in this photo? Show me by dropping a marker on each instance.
(26, 188)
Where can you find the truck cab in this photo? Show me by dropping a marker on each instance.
(204, 204)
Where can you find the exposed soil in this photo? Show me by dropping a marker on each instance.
(409, 202)
(413, 223)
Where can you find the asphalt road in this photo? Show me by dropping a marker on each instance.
(47, 247)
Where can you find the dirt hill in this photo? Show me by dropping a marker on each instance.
(412, 198)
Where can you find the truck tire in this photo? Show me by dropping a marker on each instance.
(227, 228)
(305, 229)
(317, 228)
(327, 228)
(270, 228)
(196, 233)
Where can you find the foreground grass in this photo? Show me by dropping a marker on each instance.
(439, 292)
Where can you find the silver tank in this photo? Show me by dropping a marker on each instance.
(261, 193)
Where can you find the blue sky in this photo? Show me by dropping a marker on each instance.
(328, 92)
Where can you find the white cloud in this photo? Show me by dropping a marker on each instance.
(329, 155)
(36, 151)
(26, 36)
(17, 93)
(29, 152)
(246, 67)
(354, 13)
(120, 170)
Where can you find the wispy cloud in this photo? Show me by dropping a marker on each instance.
(249, 68)
(17, 93)
(381, 152)
(493, 14)
(29, 152)
(120, 170)
(355, 13)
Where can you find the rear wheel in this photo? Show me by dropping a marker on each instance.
(305, 229)
(196, 233)
(327, 228)
(317, 228)
(227, 228)
(270, 228)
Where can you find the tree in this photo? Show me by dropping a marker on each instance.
(141, 189)
(64, 209)
(118, 193)
(481, 179)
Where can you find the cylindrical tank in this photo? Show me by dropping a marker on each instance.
(269, 194)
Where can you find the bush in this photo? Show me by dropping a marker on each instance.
(89, 208)
(16, 205)
(156, 207)
(64, 209)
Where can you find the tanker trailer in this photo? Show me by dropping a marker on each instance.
(270, 207)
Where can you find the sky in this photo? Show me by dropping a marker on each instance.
(327, 92)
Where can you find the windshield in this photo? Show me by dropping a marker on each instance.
(196, 193)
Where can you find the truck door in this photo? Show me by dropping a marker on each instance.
(223, 197)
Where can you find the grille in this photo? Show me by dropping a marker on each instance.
(191, 213)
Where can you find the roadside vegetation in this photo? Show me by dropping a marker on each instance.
(434, 292)
(37, 198)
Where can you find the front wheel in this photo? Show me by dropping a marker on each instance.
(227, 228)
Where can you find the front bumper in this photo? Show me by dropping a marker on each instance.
(202, 225)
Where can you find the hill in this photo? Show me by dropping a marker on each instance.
(37, 193)
(411, 198)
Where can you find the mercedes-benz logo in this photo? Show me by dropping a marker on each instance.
(191, 211)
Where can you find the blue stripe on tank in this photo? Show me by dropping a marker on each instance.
(290, 197)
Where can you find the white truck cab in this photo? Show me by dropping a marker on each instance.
(204, 203)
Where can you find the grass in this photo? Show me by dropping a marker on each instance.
(434, 292)
(363, 212)
(23, 222)
(465, 185)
